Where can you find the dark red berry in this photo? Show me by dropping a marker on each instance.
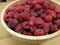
(19, 28)
(32, 20)
(53, 28)
(39, 32)
(12, 23)
(25, 25)
(34, 14)
(7, 17)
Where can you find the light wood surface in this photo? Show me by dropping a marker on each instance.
(6, 39)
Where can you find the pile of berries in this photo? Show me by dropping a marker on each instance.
(33, 17)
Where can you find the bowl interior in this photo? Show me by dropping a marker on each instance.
(24, 36)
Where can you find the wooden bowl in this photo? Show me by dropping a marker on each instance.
(25, 37)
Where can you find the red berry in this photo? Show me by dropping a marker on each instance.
(34, 14)
(48, 18)
(32, 20)
(32, 29)
(52, 13)
(39, 21)
(39, 32)
(16, 16)
(25, 25)
(53, 28)
(25, 15)
(46, 27)
(12, 23)
(57, 22)
(37, 7)
(52, 7)
(19, 8)
(41, 1)
(19, 28)
(58, 16)
(34, 2)
(7, 17)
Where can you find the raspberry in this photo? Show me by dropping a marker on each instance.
(25, 15)
(48, 18)
(7, 17)
(16, 16)
(40, 11)
(43, 15)
(52, 7)
(37, 7)
(32, 29)
(41, 1)
(25, 25)
(19, 28)
(34, 14)
(53, 28)
(57, 22)
(12, 23)
(39, 32)
(46, 4)
(58, 16)
(34, 2)
(11, 13)
(39, 21)
(27, 10)
(32, 20)
(19, 8)
(46, 27)
(52, 13)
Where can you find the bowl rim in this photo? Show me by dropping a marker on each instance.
(25, 36)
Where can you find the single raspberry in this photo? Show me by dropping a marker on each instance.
(7, 17)
(53, 28)
(12, 23)
(16, 16)
(19, 8)
(46, 4)
(39, 21)
(25, 15)
(57, 22)
(32, 29)
(43, 15)
(27, 10)
(37, 7)
(34, 14)
(40, 11)
(58, 16)
(52, 13)
(34, 2)
(48, 18)
(52, 7)
(11, 13)
(39, 32)
(32, 20)
(41, 1)
(46, 27)
(19, 28)
(25, 25)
